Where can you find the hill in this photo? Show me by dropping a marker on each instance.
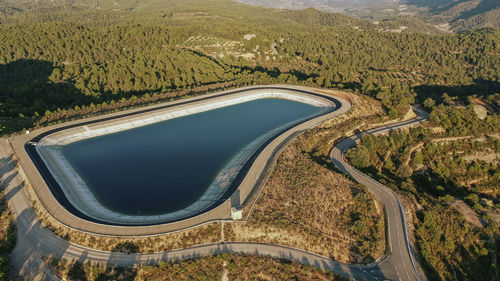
(463, 14)
(453, 15)
(61, 60)
(57, 57)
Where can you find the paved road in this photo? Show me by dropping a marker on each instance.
(34, 241)
(51, 196)
(400, 263)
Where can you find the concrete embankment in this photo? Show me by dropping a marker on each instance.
(50, 139)
(112, 126)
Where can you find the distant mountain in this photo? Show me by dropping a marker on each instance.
(327, 5)
(295, 12)
(10, 7)
(453, 15)
(463, 14)
(419, 15)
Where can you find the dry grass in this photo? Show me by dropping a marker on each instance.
(204, 234)
(6, 216)
(308, 205)
(6, 219)
(305, 204)
(469, 214)
(265, 268)
(233, 266)
(7, 237)
(488, 156)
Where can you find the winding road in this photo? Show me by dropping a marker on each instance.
(35, 242)
(400, 264)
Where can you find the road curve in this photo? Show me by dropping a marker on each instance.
(47, 190)
(400, 264)
(35, 242)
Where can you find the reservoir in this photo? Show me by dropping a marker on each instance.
(168, 166)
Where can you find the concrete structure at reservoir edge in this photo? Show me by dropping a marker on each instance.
(33, 173)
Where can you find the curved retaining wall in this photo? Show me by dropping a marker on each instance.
(79, 195)
(55, 201)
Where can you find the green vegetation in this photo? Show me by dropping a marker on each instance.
(233, 266)
(422, 14)
(209, 233)
(454, 158)
(307, 204)
(462, 121)
(349, 228)
(7, 238)
(465, 14)
(59, 62)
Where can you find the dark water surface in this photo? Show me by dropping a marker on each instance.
(167, 166)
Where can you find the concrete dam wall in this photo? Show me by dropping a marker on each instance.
(48, 143)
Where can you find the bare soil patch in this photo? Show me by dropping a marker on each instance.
(469, 214)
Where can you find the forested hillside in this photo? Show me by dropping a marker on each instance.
(463, 14)
(61, 60)
(65, 61)
(450, 15)
(448, 171)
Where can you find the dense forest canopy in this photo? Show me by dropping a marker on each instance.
(64, 57)
(450, 177)
(449, 15)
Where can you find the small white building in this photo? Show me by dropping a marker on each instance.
(236, 213)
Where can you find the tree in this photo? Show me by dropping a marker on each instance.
(434, 118)
(393, 113)
(429, 103)
(447, 99)
(359, 156)
(418, 158)
(404, 171)
(389, 165)
(449, 244)
(472, 199)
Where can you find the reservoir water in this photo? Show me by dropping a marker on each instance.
(167, 166)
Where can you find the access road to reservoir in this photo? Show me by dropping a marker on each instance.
(400, 264)
(35, 242)
(47, 190)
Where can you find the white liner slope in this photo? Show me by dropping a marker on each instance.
(83, 199)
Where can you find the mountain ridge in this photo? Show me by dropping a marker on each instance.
(453, 15)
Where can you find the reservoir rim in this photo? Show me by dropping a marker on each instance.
(52, 184)
(82, 198)
(77, 194)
